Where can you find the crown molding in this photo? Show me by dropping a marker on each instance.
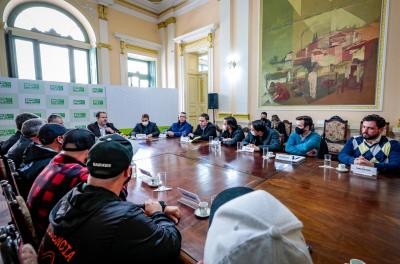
(196, 34)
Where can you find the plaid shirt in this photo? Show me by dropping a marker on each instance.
(57, 178)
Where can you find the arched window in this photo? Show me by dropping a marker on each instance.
(46, 42)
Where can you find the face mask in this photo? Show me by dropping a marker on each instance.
(299, 131)
(224, 127)
(253, 133)
(145, 123)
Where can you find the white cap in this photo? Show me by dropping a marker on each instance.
(255, 228)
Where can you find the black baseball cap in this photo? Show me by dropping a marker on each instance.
(224, 197)
(111, 155)
(49, 132)
(78, 139)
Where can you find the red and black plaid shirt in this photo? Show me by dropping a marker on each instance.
(57, 178)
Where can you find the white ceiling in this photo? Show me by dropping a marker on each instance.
(156, 6)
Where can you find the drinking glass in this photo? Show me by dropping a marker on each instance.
(327, 160)
(162, 179)
(265, 152)
(239, 146)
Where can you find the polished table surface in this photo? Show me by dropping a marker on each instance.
(345, 216)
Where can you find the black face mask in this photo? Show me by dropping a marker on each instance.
(299, 131)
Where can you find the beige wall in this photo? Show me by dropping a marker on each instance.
(391, 96)
(130, 26)
(200, 17)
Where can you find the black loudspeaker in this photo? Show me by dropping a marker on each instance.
(212, 101)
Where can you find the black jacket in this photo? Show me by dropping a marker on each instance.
(236, 136)
(95, 226)
(280, 127)
(36, 158)
(6, 145)
(209, 130)
(270, 139)
(94, 127)
(16, 152)
(267, 122)
(151, 128)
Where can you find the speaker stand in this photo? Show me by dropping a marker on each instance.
(214, 116)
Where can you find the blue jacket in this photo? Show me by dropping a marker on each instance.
(270, 139)
(298, 146)
(179, 128)
(385, 154)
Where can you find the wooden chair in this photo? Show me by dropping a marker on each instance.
(20, 215)
(288, 127)
(335, 134)
(385, 131)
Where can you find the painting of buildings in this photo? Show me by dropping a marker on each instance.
(320, 52)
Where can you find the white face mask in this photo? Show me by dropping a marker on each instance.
(224, 127)
(253, 132)
(145, 123)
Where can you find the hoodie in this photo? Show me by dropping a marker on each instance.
(35, 158)
(92, 225)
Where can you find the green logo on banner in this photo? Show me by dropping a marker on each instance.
(57, 101)
(80, 115)
(78, 102)
(6, 100)
(80, 126)
(97, 90)
(38, 114)
(7, 132)
(56, 87)
(98, 102)
(5, 84)
(32, 100)
(78, 89)
(31, 86)
(7, 116)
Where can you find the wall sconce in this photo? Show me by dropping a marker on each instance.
(232, 64)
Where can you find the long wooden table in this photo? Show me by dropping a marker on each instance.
(345, 216)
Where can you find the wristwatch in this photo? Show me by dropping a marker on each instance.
(163, 205)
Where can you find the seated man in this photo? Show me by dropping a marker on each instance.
(55, 119)
(19, 120)
(247, 226)
(232, 132)
(261, 136)
(98, 227)
(264, 117)
(204, 129)
(30, 130)
(372, 148)
(37, 157)
(101, 127)
(180, 128)
(64, 172)
(146, 127)
(304, 141)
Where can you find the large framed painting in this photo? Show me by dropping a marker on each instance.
(322, 54)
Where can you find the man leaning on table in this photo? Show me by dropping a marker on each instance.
(101, 127)
(304, 141)
(180, 128)
(91, 224)
(372, 149)
(205, 129)
(262, 136)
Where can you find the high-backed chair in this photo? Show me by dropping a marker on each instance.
(20, 215)
(288, 127)
(385, 131)
(335, 133)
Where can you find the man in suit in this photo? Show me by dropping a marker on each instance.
(101, 127)
(205, 129)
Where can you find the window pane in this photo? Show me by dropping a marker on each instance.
(55, 63)
(144, 83)
(45, 19)
(134, 81)
(25, 59)
(135, 66)
(81, 66)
